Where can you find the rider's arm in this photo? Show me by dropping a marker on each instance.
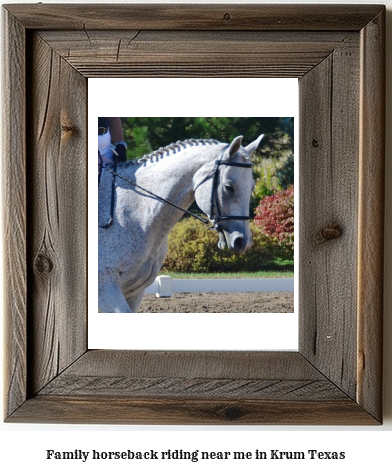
(117, 136)
(116, 130)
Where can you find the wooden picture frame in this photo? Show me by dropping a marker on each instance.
(338, 54)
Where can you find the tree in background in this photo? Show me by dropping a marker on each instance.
(285, 170)
(146, 134)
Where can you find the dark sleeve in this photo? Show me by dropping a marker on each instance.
(103, 122)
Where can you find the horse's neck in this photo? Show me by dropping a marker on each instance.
(172, 178)
(175, 173)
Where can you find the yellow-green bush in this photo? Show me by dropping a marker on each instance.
(192, 248)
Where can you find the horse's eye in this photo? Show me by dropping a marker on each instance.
(229, 188)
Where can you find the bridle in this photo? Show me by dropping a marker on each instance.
(214, 219)
(214, 175)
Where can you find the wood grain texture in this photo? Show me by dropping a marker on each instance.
(14, 209)
(193, 387)
(338, 53)
(188, 387)
(122, 410)
(57, 213)
(194, 53)
(371, 215)
(194, 17)
(209, 364)
(206, 374)
(329, 137)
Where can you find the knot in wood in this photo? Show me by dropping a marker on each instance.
(233, 412)
(227, 16)
(328, 233)
(43, 264)
(71, 129)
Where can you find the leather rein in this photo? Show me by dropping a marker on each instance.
(214, 219)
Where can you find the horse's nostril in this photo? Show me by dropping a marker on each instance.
(239, 243)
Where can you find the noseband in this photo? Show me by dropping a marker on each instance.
(218, 217)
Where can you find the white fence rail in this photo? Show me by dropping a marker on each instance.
(164, 286)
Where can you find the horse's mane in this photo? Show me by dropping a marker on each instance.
(171, 150)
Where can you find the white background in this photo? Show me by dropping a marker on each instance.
(23, 447)
(185, 98)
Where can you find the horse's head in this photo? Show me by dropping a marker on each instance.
(223, 189)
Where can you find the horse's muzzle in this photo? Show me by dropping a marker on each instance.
(235, 242)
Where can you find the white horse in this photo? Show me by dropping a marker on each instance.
(133, 247)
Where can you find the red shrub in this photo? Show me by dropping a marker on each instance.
(275, 218)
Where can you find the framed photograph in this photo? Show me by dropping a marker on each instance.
(337, 53)
(261, 287)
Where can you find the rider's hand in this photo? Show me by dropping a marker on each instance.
(121, 151)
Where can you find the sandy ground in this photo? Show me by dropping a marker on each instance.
(263, 302)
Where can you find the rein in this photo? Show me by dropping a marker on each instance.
(205, 221)
(214, 175)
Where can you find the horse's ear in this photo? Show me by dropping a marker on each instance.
(234, 146)
(252, 147)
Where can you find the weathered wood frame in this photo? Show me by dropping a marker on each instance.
(337, 52)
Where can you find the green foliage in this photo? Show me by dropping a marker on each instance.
(285, 172)
(151, 133)
(266, 182)
(282, 271)
(194, 248)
